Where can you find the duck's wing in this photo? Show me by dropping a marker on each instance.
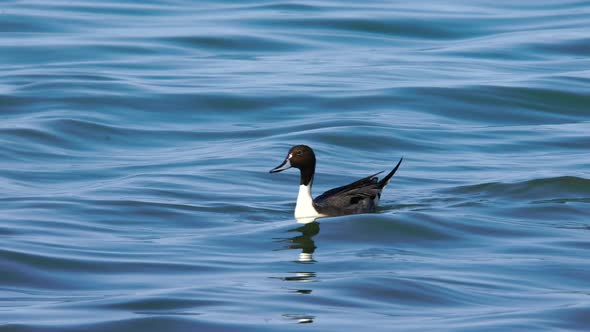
(356, 197)
(366, 181)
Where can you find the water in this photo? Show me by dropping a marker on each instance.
(137, 138)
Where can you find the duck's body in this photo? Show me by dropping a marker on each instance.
(361, 196)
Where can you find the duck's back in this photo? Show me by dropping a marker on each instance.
(358, 197)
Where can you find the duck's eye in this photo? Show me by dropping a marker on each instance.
(299, 152)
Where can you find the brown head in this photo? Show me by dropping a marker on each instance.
(301, 157)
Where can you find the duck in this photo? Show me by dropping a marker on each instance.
(361, 196)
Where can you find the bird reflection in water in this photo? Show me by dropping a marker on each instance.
(304, 241)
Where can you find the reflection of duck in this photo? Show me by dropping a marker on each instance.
(305, 241)
(358, 197)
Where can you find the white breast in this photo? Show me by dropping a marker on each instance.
(304, 209)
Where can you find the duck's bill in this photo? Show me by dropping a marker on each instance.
(285, 165)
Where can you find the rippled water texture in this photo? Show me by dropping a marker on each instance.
(137, 137)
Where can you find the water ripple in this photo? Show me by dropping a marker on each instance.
(137, 139)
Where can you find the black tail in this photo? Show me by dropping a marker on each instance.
(385, 180)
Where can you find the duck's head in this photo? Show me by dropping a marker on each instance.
(299, 156)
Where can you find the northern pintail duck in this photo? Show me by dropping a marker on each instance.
(360, 196)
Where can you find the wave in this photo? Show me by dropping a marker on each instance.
(560, 188)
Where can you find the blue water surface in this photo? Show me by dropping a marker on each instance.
(136, 139)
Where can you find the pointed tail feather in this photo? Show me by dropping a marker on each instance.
(385, 180)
